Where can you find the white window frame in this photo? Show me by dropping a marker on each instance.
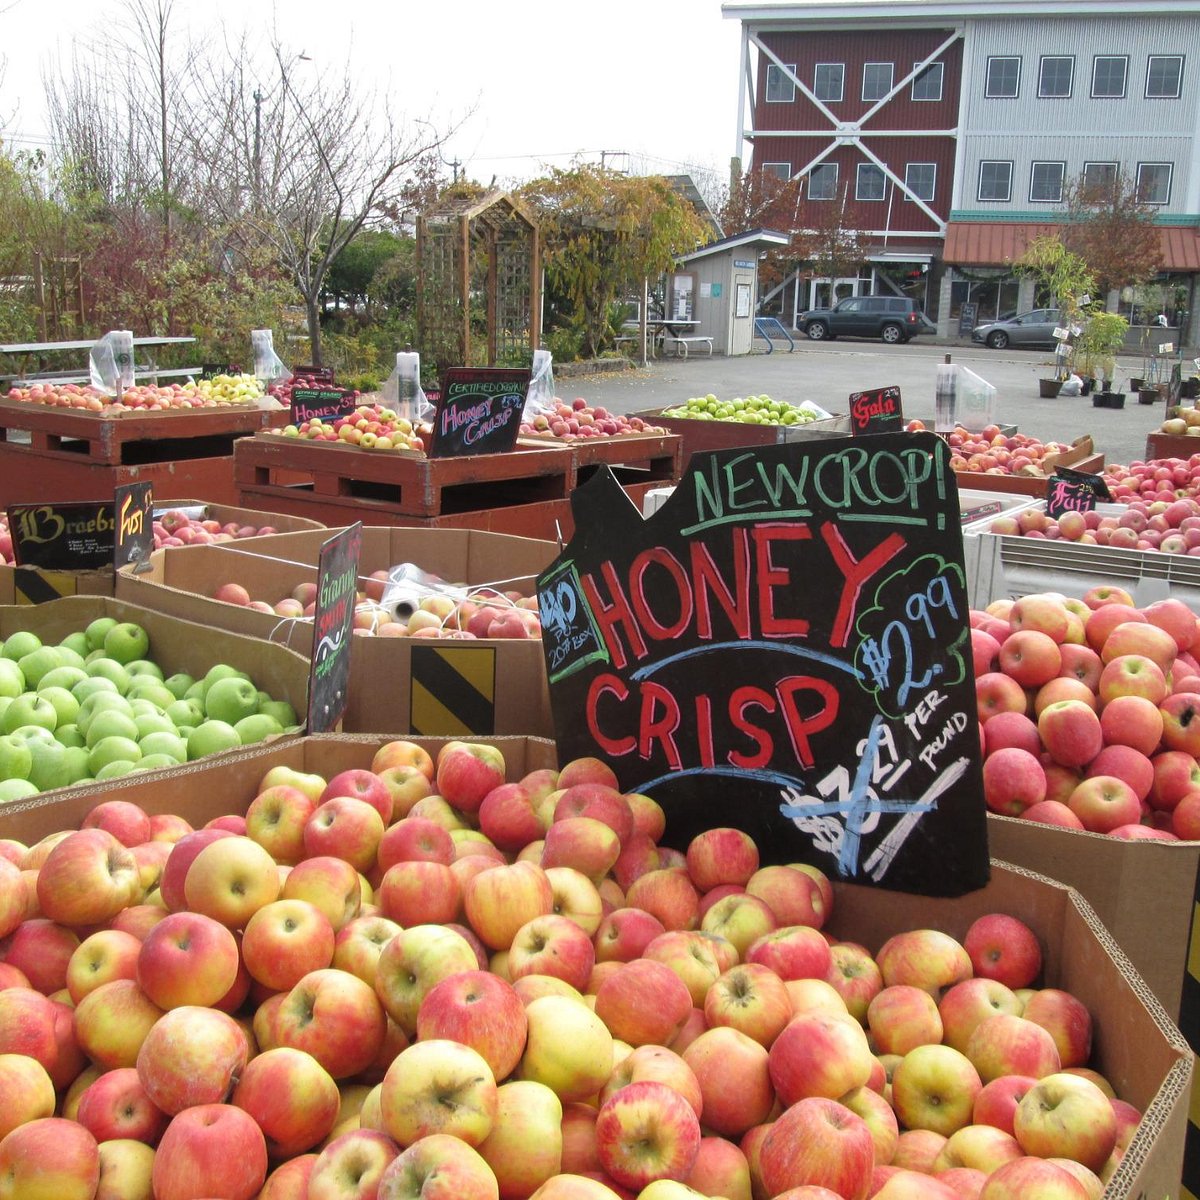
(1116, 170)
(1005, 199)
(1179, 58)
(841, 83)
(1124, 58)
(774, 71)
(908, 183)
(1062, 180)
(1170, 180)
(940, 67)
(858, 178)
(783, 176)
(1045, 58)
(891, 80)
(990, 95)
(824, 166)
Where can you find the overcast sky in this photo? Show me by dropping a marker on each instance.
(547, 79)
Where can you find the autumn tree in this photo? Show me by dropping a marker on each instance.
(603, 234)
(832, 247)
(761, 201)
(1112, 229)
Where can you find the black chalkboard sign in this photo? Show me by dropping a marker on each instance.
(478, 411)
(63, 537)
(782, 647)
(333, 620)
(877, 411)
(212, 370)
(325, 403)
(134, 533)
(1074, 491)
(968, 318)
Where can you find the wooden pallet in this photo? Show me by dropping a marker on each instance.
(403, 484)
(633, 458)
(131, 438)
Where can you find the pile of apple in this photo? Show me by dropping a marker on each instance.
(95, 707)
(369, 427)
(142, 396)
(1182, 421)
(282, 390)
(1171, 527)
(1089, 712)
(243, 388)
(1157, 480)
(483, 613)
(749, 410)
(990, 452)
(578, 419)
(178, 528)
(420, 980)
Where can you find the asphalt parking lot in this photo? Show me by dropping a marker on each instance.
(828, 372)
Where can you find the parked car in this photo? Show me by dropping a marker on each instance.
(1035, 328)
(892, 318)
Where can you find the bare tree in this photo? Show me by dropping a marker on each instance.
(304, 166)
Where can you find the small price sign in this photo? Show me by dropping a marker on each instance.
(1074, 491)
(325, 403)
(877, 411)
(479, 411)
(134, 533)
(62, 537)
(333, 620)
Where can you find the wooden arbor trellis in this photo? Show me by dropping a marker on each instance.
(478, 249)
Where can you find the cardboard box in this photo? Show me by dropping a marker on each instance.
(481, 687)
(1136, 1047)
(35, 585)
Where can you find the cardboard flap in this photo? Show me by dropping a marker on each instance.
(602, 503)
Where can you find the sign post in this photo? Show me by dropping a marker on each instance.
(1074, 491)
(478, 411)
(877, 411)
(333, 620)
(783, 647)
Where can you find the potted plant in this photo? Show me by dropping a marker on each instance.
(1102, 337)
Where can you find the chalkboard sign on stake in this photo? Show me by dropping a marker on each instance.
(877, 411)
(62, 537)
(333, 620)
(478, 411)
(134, 533)
(783, 647)
(324, 403)
(1074, 491)
(212, 370)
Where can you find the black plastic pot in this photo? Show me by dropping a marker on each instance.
(1109, 399)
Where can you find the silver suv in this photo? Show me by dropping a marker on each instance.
(893, 318)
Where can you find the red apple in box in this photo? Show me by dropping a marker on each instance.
(467, 772)
(901, 1018)
(336, 1018)
(1013, 780)
(625, 933)
(439, 1167)
(187, 959)
(596, 800)
(996, 1104)
(360, 785)
(751, 998)
(329, 883)
(87, 878)
(1068, 1022)
(291, 1097)
(51, 1157)
(552, 945)
(1070, 731)
(1005, 949)
(1066, 1117)
(967, 1004)
(643, 1002)
(934, 1087)
(285, 940)
(819, 1055)
(996, 692)
(793, 952)
(479, 1010)
(855, 976)
(1011, 730)
(104, 956)
(1010, 1045)
(646, 1132)
(1176, 774)
(210, 1150)
(818, 1142)
(276, 819)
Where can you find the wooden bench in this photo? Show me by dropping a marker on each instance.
(681, 344)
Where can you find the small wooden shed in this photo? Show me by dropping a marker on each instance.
(478, 281)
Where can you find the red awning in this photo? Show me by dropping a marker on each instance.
(998, 243)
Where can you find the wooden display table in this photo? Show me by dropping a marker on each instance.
(57, 454)
(1171, 445)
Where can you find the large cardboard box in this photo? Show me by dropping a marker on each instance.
(481, 687)
(1135, 1045)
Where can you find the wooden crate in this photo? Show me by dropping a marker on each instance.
(700, 435)
(633, 458)
(131, 438)
(1171, 445)
(382, 484)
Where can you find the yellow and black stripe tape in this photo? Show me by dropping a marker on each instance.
(34, 585)
(453, 690)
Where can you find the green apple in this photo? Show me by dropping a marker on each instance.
(153, 722)
(211, 737)
(65, 705)
(78, 642)
(161, 742)
(12, 681)
(50, 767)
(29, 709)
(69, 735)
(230, 700)
(78, 761)
(110, 723)
(185, 712)
(34, 733)
(115, 769)
(92, 684)
(70, 657)
(109, 668)
(15, 758)
(65, 677)
(97, 631)
(126, 641)
(98, 703)
(178, 684)
(256, 727)
(113, 749)
(16, 789)
(148, 688)
(223, 671)
(38, 663)
(19, 644)
(281, 710)
(196, 691)
(145, 666)
(159, 762)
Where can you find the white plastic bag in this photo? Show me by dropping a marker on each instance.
(110, 363)
(541, 396)
(402, 391)
(408, 585)
(268, 366)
